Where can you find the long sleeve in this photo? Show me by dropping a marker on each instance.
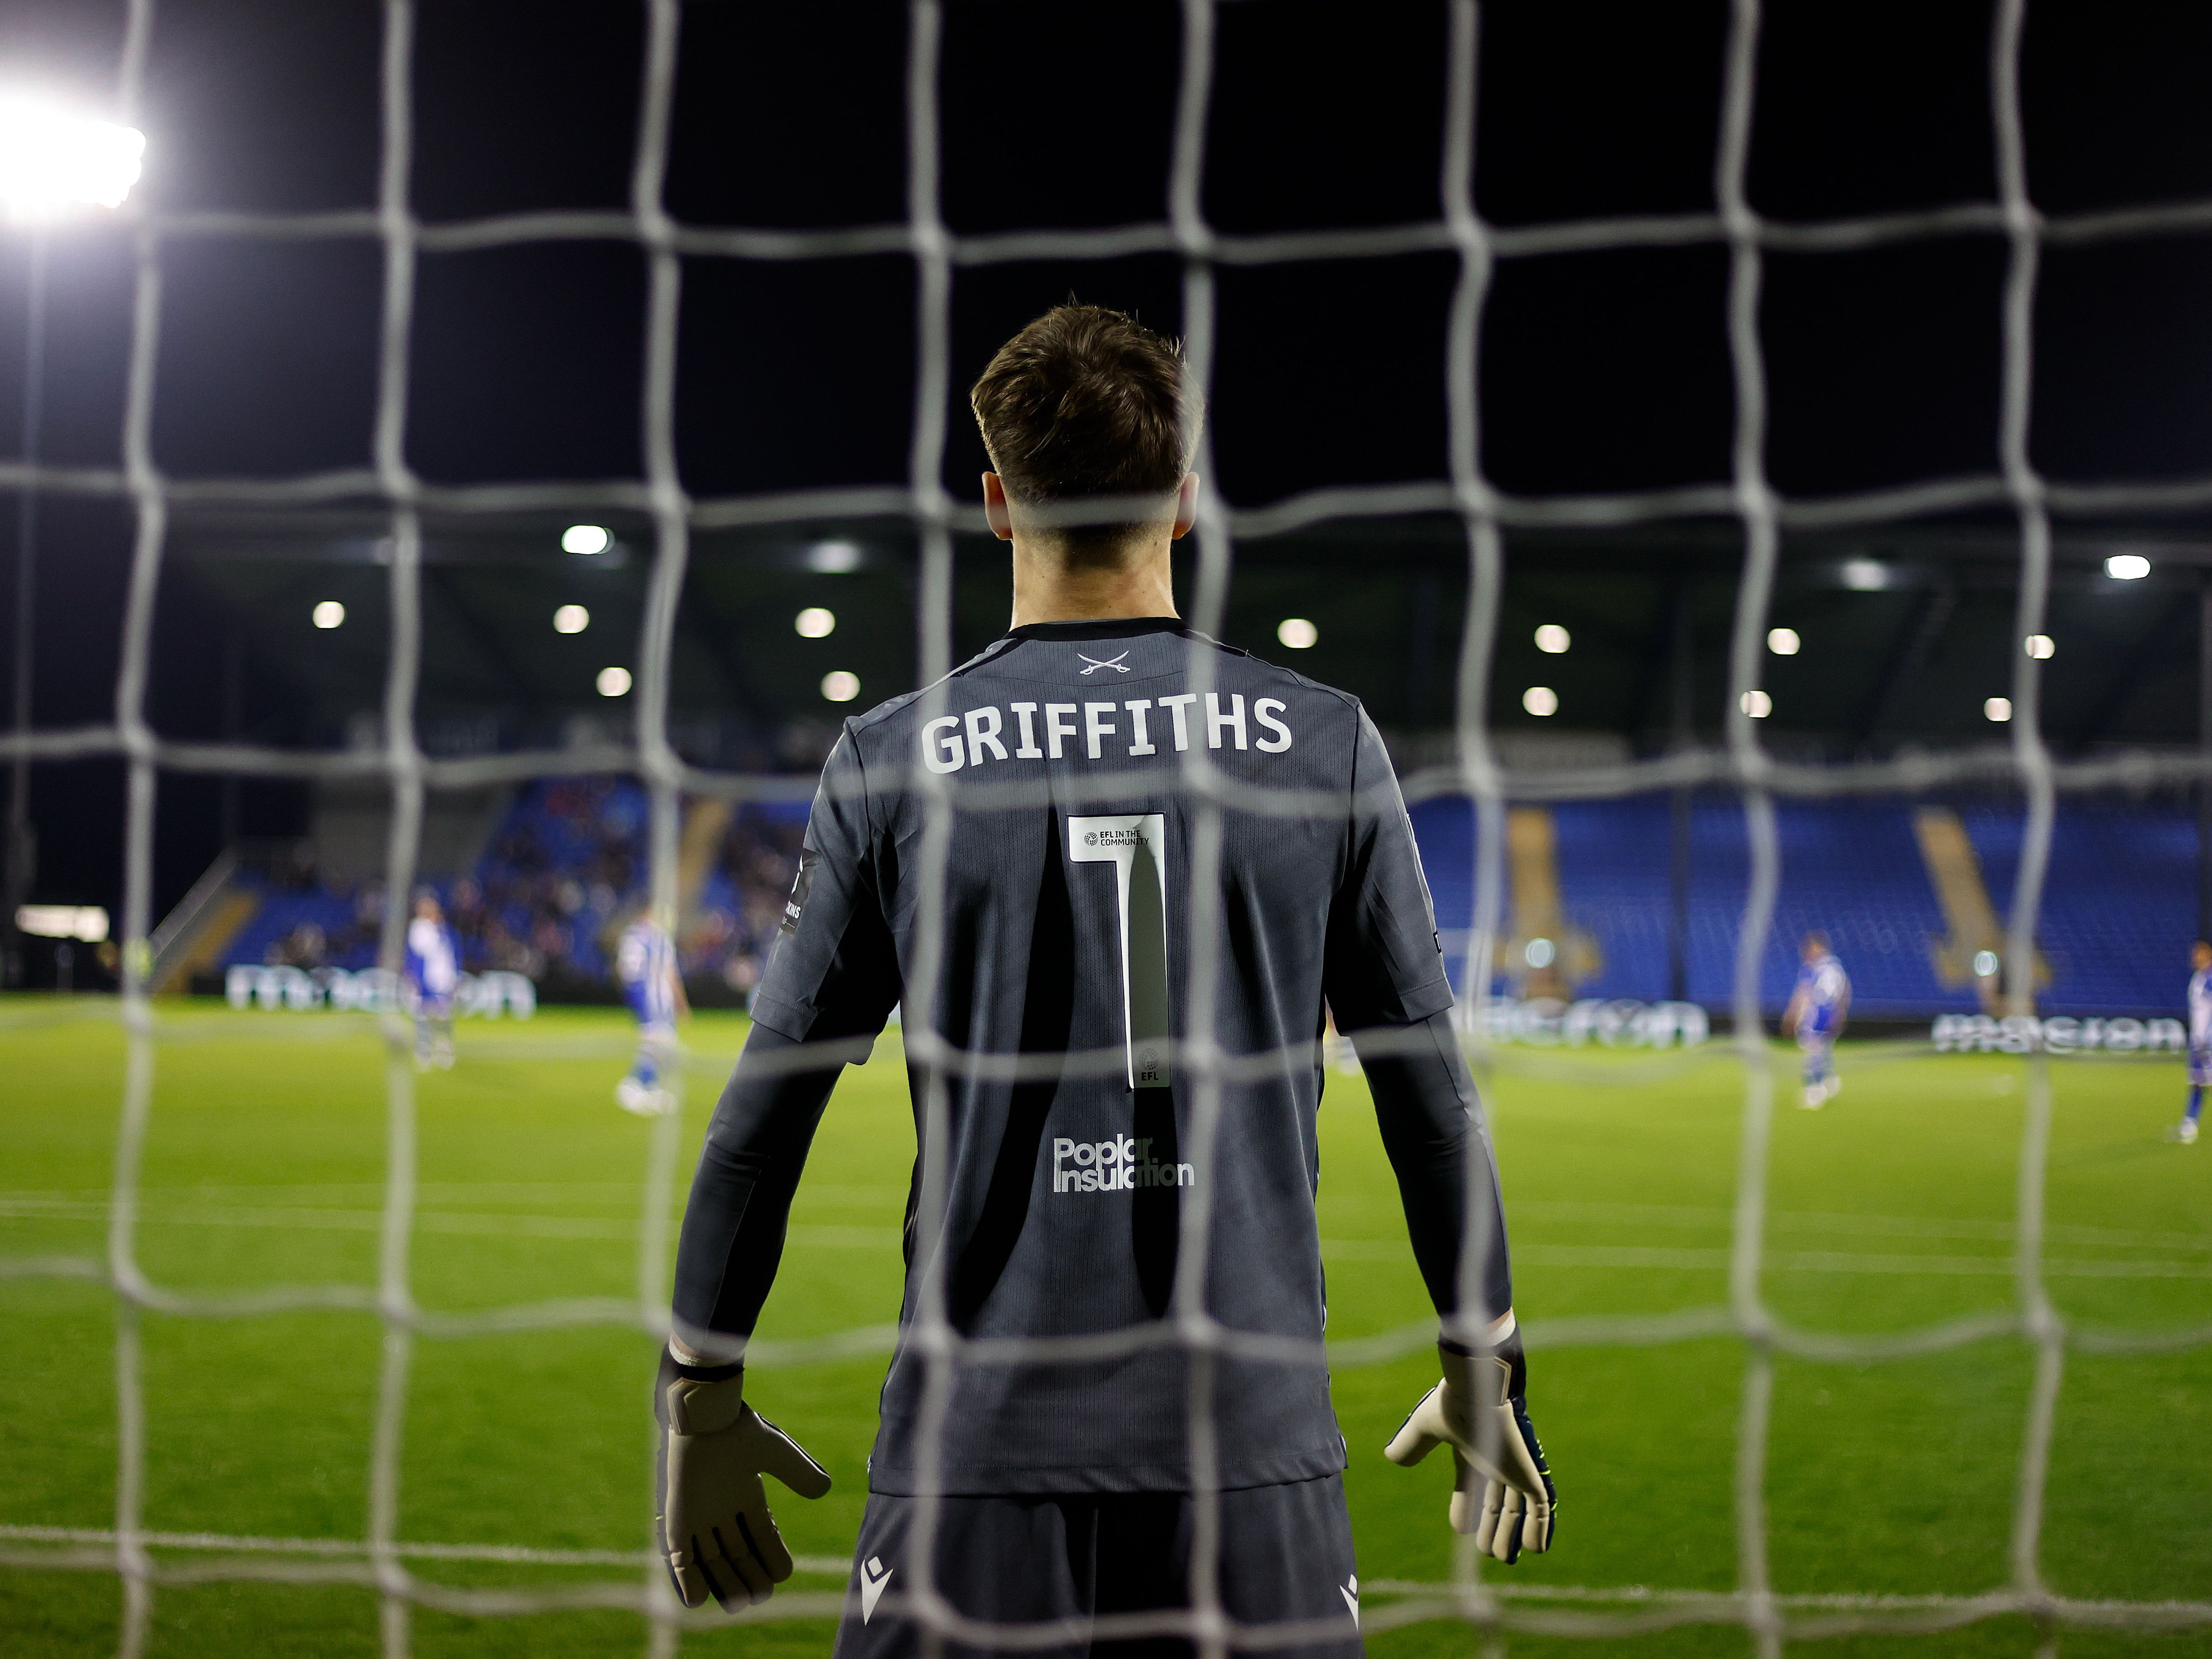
(830, 984)
(1385, 981)
(740, 1204)
(1439, 1148)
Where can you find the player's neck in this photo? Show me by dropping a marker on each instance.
(1051, 584)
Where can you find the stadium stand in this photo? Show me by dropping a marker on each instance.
(2115, 925)
(562, 872)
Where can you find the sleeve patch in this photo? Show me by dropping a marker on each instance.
(792, 906)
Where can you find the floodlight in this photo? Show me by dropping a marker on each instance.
(1865, 575)
(329, 614)
(2127, 566)
(1997, 708)
(2042, 646)
(571, 619)
(1758, 704)
(613, 682)
(1553, 639)
(1537, 953)
(1541, 699)
(1783, 641)
(585, 539)
(1985, 965)
(838, 686)
(833, 558)
(50, 160)
(815, 624)
(88, 923)
(1298, 634)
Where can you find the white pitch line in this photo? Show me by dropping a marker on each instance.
(346, 1547)
(480, 1225)
(839, 1565)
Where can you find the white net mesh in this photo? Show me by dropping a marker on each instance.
(381, 1558)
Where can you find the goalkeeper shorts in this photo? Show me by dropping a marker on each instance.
(1285, 1557)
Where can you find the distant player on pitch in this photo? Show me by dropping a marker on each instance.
(645, 962)
(431, 974)
(1071, 921)
(1815, 1018)
(2200, 1040)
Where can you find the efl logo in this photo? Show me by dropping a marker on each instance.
(1112, 1166)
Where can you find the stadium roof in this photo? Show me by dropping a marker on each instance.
(1905, 630)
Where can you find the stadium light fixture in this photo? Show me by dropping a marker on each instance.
(2042, 646)
(1541, 699)
(1298, 634)
(1996, 708)
(1758, 704)
(571, 619)
(815, 624)
(585, 539)
(329, 614)
(1538, 953)
(613, 682)
(88, 923)
(833, 558)
(1865, 575)
(51, 160)
(2127, 566)
(839, 686)
(1553, 640)
(1783, 641)
(1985, 965)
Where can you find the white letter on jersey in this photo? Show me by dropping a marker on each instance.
(981, 736)
(1054, 731)
(1029, 750)
(1215, 720)
(941, 754)
(1274, 745)
(1143, 745)
(1175, 706)
(1096, 730)
(1136, 846)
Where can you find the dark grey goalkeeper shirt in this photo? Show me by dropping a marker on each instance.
(1069, 909)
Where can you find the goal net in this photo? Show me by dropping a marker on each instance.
(1763, 782)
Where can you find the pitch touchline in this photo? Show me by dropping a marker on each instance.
(1655, 1257)
(249, 1545)
(283, 1203)
(838, 1566)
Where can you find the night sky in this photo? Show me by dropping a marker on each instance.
(1601, 371)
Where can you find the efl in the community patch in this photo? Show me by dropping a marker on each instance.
(808, 858)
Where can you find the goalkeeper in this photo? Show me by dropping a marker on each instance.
(1070, 899)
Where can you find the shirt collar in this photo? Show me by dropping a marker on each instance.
(1100, 628)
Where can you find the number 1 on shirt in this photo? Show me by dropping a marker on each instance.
(1136, 845)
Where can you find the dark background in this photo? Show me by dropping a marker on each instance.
(1600, 371)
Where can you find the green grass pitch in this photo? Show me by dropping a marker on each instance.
(1892, 1208)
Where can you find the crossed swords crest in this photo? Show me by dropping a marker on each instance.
(1114, 663)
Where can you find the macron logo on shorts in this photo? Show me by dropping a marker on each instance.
(874, 1575)
(1112, 1166)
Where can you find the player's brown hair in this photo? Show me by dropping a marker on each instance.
(1087, 402)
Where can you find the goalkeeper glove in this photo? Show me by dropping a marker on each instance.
(713, 1520)
(1480, 1412)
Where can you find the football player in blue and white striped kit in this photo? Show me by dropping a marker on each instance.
(2200, 1040)
(1815, 1017)
(645, 962)
(429, 976)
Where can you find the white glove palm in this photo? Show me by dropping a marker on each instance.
(714, 1526)
(1480, 1412)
